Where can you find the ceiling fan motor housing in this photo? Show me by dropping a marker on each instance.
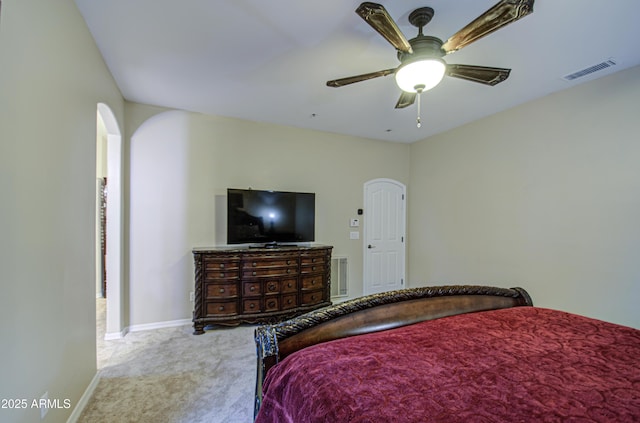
(424, 46)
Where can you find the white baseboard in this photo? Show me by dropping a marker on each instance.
(338, 300)
(116, 335)
(146, 326)
(84, 399)
(160, 325)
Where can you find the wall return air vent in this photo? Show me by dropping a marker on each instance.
(588, 71)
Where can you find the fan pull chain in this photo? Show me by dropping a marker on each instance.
(419, 89)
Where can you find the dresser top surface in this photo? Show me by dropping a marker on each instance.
(244, 249)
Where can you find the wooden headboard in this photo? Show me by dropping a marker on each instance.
(374, 313)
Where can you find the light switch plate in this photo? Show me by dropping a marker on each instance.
(354, 235)
(354, 223)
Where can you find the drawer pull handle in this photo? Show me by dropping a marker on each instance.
(254, 273)
(253, 288)
(313, 260)
(221, 308)
(222, 274)
(254, 264)
(289, 285)
(313, 282)
(288, 270)
(221, 265)
(272, 304)
(222, 290)
(272, 287)
(313, 298)
(252, 306)
(289, 301)
(288, 261)
(313, 268)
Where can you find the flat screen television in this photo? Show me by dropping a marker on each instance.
(270, 217)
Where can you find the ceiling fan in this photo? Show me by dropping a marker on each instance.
(421, 64)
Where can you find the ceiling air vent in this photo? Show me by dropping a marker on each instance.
(591, 69)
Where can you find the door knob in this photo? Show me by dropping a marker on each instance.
(371, 246)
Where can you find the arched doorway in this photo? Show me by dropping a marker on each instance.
(114, 227)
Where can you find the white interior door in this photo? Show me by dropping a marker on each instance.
(384, 235)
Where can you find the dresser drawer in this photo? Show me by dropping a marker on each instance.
(312, 268)
(271, 287)
(256, 262)
(313, 282)
(313, 258)
(219, 263)
(313, 297)
(288, 285)
(271, 304)
(220, 275)
(215, 290)
(251, 305)
(251, 288)
(226, 308)
(258, 272)
(289, 301)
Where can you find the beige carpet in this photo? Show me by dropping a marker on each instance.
(170, 376)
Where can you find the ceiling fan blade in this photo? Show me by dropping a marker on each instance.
(380, 20)
(481, 74)
(406, 99)
(500, 15)
(351, 79)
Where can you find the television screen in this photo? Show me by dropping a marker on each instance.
(255, 216)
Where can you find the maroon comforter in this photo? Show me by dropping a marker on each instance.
(522, 364)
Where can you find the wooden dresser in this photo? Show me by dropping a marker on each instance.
(251, 285)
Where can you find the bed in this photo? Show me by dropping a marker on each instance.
(446, 354)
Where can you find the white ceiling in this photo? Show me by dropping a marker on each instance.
(269, 61)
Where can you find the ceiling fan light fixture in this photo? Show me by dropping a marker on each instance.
(422, 73)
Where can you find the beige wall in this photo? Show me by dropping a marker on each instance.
(545, 196)
(181, 165)
(52, 79)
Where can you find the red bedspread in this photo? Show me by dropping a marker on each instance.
(522, 364)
